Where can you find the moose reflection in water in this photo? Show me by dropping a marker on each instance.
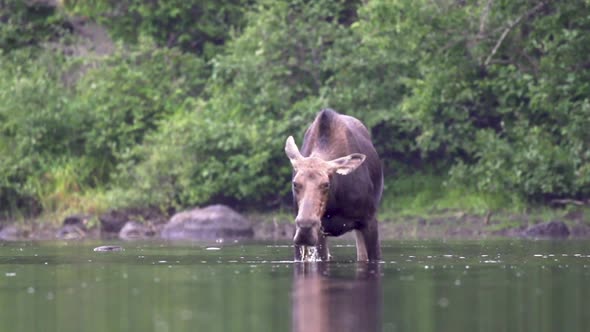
(324, 301)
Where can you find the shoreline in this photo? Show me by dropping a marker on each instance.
(277, 226)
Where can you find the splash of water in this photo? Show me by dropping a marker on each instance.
(309, 254)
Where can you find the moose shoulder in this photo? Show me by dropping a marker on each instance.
(337, 185)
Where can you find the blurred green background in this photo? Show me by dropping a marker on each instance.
(174, 103)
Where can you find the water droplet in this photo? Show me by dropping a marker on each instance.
(457, 282)
(31, 290)
(50, 296)
(443, 302)
(212, 248)
(10, 274)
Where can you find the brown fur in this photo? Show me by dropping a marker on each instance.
(337, 184)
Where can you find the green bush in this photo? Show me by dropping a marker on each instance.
(27, 23)
(265, 87)
(125, 96)
(492, 97)
(48, 126)
(196, 26)
(496, 94)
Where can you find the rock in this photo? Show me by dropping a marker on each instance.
(580, 230)
(509, 231)
(70, 232)
(14, 233)
(552, 229)
(74, 227)
(113, 221)
(274, 230)
(79, 220)
(134, 230)
(210, 223)
(108, 248)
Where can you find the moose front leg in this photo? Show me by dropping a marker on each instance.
(367, 242)
(298, 251)
(371, 235)
(361, 246)
(322, 248)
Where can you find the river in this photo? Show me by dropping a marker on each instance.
(419, 286)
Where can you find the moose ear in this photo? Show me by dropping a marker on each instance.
(346, 165)
(292, 151)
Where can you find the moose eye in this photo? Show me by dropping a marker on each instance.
(325, 186)
(296, 186)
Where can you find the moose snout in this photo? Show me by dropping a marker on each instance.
(306, 232)
(306, 223)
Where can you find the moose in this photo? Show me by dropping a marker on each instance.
(337, 185)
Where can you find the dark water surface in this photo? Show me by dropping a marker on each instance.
(490, 285)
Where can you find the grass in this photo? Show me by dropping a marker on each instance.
(429, 197)
(427, 194)
(62, 193)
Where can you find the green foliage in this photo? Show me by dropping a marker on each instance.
(541, 99)
(26, 23)
(264, 88)
(196, 26)
(427, 192)
(33, 123)
(58, 141)
(126, 95)
(497, 93)
(487, 99)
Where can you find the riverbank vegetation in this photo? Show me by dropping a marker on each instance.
(473, 105)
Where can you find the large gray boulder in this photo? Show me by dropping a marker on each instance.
(73, 227)
(14, 232)
(552, 229)
(134, 230)
(112, 222)
(210, 223)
